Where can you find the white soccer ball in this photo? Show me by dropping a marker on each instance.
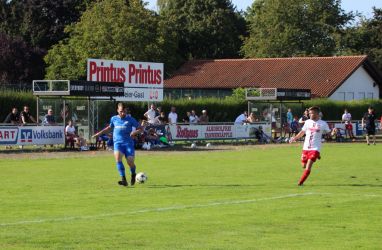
(208, 145)
(141, 178)
(193, 145)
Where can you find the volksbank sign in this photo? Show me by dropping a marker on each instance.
(34, 135)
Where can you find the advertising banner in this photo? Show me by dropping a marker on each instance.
(32, 135)
(142, 81)
(211, 132)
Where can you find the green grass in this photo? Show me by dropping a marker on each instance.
(239, 199)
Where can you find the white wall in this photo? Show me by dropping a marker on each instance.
(358, 86)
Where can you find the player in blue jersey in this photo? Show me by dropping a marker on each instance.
(124, 128)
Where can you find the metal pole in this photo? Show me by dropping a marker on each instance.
(37, 110)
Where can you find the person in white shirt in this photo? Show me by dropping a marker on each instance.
(172, 116)
(151, 114)
(194, 119)
(314, 128)
(241, 118)
(346, 117)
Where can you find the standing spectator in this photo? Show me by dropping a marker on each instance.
(65, 113)
(241, 118)
(194, 119)
(346, 117)
(158, 111)
(26, 116)
(161, 119)
(151, 114)
(49, 118)
(172, 116)
(368, 122)
(289, 116)
(187, 118)
(303, 118)
(13, 117)
(204, 119)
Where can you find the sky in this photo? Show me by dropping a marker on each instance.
(363, 6)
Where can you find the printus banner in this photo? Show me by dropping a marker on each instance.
(211, 132)
(143, 81)
(32, 135)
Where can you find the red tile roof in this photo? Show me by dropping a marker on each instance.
(322, 75)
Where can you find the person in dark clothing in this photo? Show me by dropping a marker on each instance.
(13, 117)
(368, 122)
(26, 116)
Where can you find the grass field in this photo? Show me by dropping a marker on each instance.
(244, 198)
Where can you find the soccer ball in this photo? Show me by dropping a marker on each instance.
(208, 145)
(193, 145)
(141, 177)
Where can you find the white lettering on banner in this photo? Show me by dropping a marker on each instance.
(32, 135)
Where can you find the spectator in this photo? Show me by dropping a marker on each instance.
(289, 117)
(194, 119)
(303, 118)
(294, 127)
(152, 137)
(49, 118)
(13, 117)
(368, 122)
(241, 118)
(203, 119)
(65, 113)
(71, 135)
(26, 116)
(151, 114)
(161, 119)
(172, 116)
(187, 118)
(346, 117)
(251, 118)
(158, 111)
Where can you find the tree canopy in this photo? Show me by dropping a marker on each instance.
(284, 28)
(116, 30)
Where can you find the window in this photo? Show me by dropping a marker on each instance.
(370, 95)
(350, 96)
(341, 96)
(361, 95)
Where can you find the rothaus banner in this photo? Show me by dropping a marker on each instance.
(32, 135)
(142, 81)
(211, 132)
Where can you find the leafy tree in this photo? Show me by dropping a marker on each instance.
(112, 29)
(19, 62)
(285, 28)
(205, 28)
(365, 38)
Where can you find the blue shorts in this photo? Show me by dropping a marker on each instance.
(126, 149)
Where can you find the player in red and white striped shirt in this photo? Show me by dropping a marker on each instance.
(314, 128)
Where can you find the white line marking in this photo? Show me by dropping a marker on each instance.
(148, 210)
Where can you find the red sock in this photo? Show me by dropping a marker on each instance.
(304, 176)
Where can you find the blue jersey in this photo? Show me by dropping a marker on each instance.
(122, 128)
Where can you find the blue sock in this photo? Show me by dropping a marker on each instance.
(132, 170)
(121, 168)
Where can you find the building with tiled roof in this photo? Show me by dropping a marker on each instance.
(337, 78)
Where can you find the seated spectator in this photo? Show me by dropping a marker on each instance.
(71, 135)
(261, 136)
(251, 118)
(241, 118)
(49, 118)
(26, 116)
(13, 117)
(204, 119)
(152, 137)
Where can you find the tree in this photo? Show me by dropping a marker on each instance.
(285, 28)
(205, 28)
(112, 29)
(365, 38)
(19, 62)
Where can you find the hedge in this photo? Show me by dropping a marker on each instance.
(219, 110)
